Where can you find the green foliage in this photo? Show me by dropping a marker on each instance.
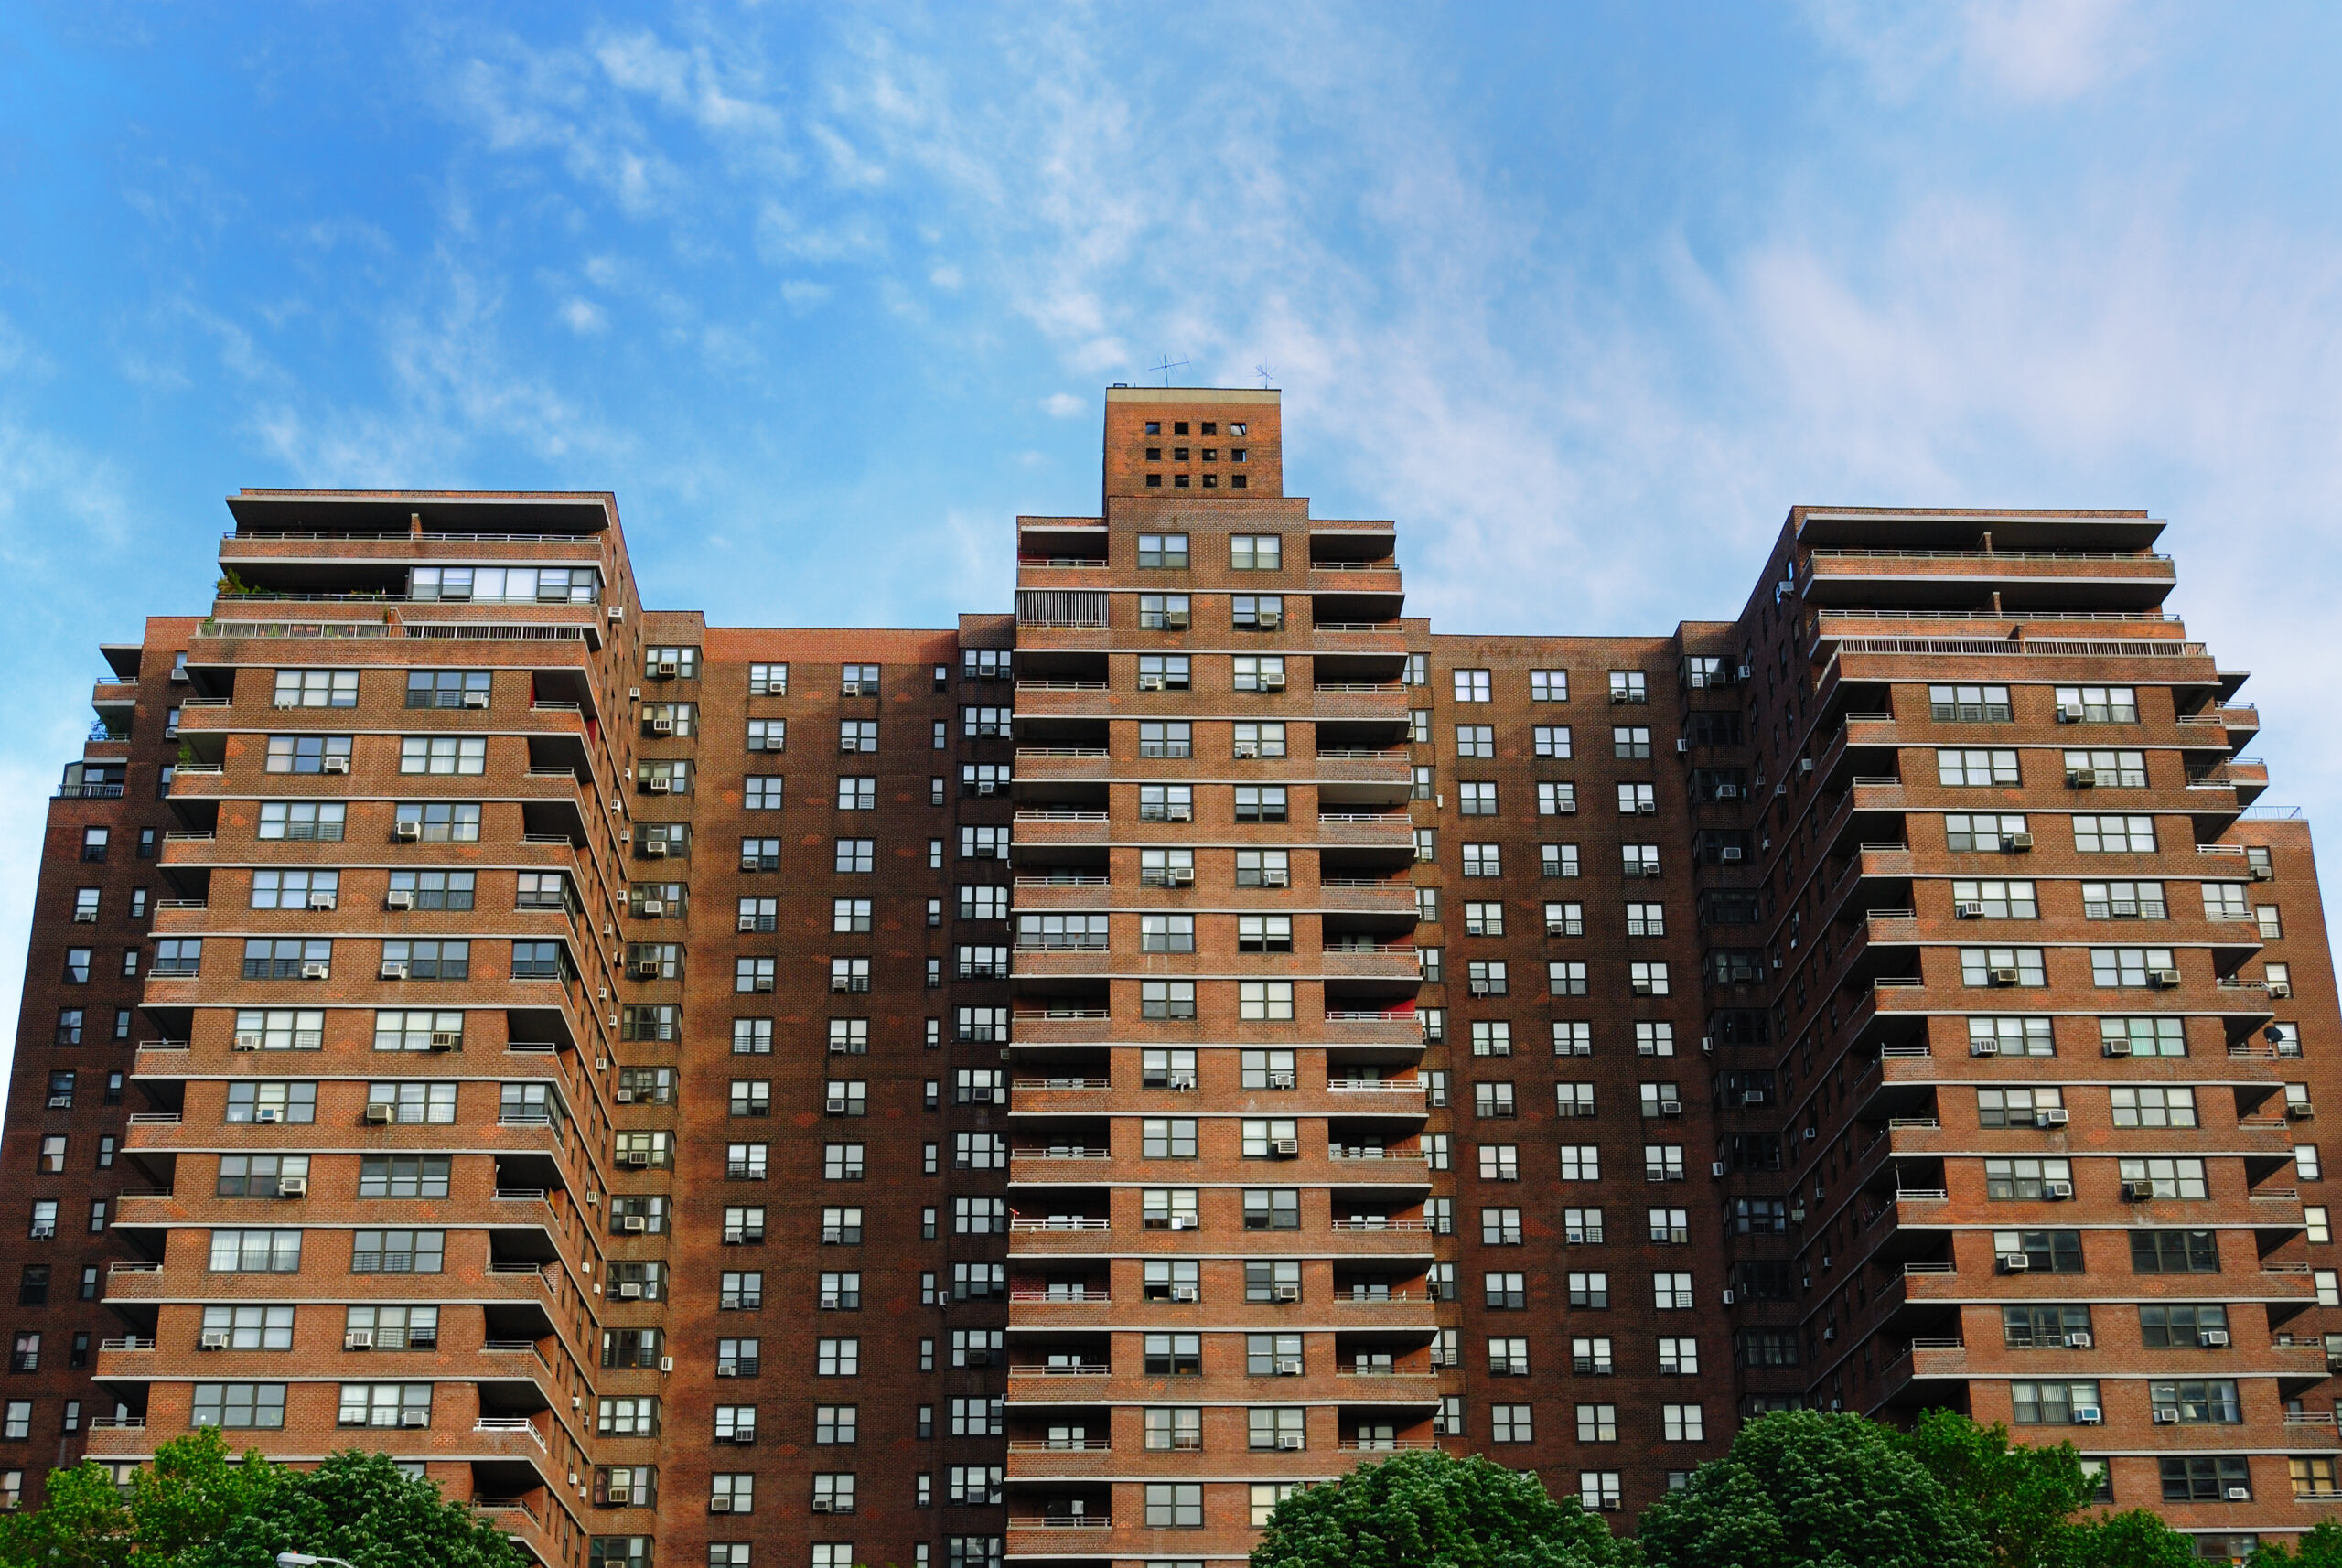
(2134, 1540)
(231, 586)
(198, 1507)
(2020, 1496)
(1419, 1509)
(2321, 1548)
(1804, 1488)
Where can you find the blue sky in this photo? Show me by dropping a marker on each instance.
(1584, 297)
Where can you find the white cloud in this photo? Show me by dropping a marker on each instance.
(584, 317)
(2026, 51)
(1065, 406)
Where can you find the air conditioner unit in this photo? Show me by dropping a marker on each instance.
(659, 784)
(246, 1043)
(1183, 1222)
(1730, 852)
(1285, 1148)
(1805, 765)
(406, 832)
(2015, 1262)
(1716, 1168)
(2300, 1110)
(2004, 977)
(2138, 1192)
(2071, 712)
(445, 1039)
(1289, 1441)
(631, 1291)
(335, 764)
(1968, 911)
(1184, 1293)
(2281, 990)
(1174, 620)
(835, 1106)
(634, 1222)
(268, 1113)
(1650, 868)
(293, 1186)
(719, 1505)
(1269, 621)
(620, 1497)
(637, 1158)
(358, 1339)
(1246, 749)
(321, 900)
(647, 969)
(655, 849)
(1727, 791)
(2057, 1191)
(821, 1505)
(2089, 1415)
(2240, 1494)
(1752, 1097)
(1285, 878)
(2120, 1047)
(2078, 1341)
(2055, 1116)
(1271, 683)
(398, 898)
(2081, 778)
(414, 1418)
(85, 916)
(667, 669)
(2017, 844)
(1183, 877)
(1675, 1107)
(988, 785)
(1809, 1134)
(474, 699)
(2165, 978)
(2167, 1416)
(618, 612)
(1285, 1292)
(1150, 682)
(212, 1339)
(1983, 1048)
(314, 971)
(395, 969)
(2213, 1338)
(1178, 814)
(1289, 1366)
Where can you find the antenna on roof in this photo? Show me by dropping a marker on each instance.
(1268, 377)
(1164, 365)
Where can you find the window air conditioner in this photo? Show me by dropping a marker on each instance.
(659, 784)
(2281, 990)
(1247, 748)
(835, 1106)
(1183, 1222)
(1285, 1148)
(647, 969)
(2240, 1494)
(2167, 978)
(2004, 977)
(321, 900)
(1285, 1292)
(719, 1505)
(1753, 1096)
(293, 1186)
(379, 1115)
(1178, 814)
(314, 971)
(637, 1158)
(631, 1291)
(406, 832)
(395, 969)
(1272, 682)
(2089, 1415)
(1727, 791)
(2015, 1262)
(2138, 1192)
(474, 699)
(445, 1039)
(2070, 712)
(1150, 682)
(667, 669)
(1184, 1293)
(1290, 1441)
(2081, 778)
(656, 849)
(620, 1497)
(821, 1505)
(988, 785)
(2119, 1047)
(634, 1222)
(85, 916)
(1269, 621)
(398, 898)
(2167, 1416)
(2055, 1116)
(1183, 877)
(2078, 1341)
(1289, 1366)
(2057, 1191)
(1730, 852)
(358, 1339)
(335, 764)
(1174, 620)
(247, 1043)
(212, 1339)
(1968, 911)
(414, 1418)
(2017, 844)
(1805, 765)
(268, 1113)
(2213, 1338)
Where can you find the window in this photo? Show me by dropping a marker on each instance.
(1969, 705)
(1682, 1424)
(225, 1405)
(1630, 741)
(1168, 999)
(175, 957)
(1628, 686)
(1976, 768)
(1500, 1227)
(2130, 967)
(1995, 900)
(2151, 1105)
(2114, 835)
(1169, 738)
(385, 1404)
(2175, 1252)
(2002, 966)
(2040, 1403)
(1255, 933)
(395, 1251)
(1254, 551)
(322, 689)
(94, 840)
(443, 753)
(2180, 1325)
(1270, 1000)
(403, 1176)
(2028, 1180)
(2205, 1401)
(2098, 704)
(1478, 799)
(2015, 1106)
(1671, 1291)
(2039, 1326)
(1166, 550)
(255, 1252)
(2207, 1478)
(1985, 834)
(1257, 672)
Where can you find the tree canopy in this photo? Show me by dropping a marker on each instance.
(1418, 1509)
(198, 1505)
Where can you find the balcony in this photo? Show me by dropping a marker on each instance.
(1388, 1026)
(1359, 699)
(1063, 700)
(1396, 961)
(1392, 895)
(1062, 764)
(1366, 829)
(1865, 577)
(1046, 829)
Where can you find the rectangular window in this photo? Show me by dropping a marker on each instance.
(2114, 835)
(1969, 705)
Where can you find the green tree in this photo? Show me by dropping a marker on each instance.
(2321, 1548)
(187, 1496)
(1801, 1487)
(364, 1508)
(2134, 1540)
(1419, 1509)
(2020, 1496)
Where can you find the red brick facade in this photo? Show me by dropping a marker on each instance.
(1036, 1089)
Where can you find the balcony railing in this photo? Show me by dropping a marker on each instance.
(1075, 1297)
(509, 1423)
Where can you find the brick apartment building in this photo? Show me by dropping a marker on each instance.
(1041, 1089)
